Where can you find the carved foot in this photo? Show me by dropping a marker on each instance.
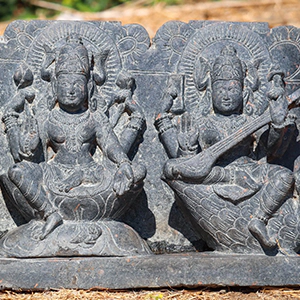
(258, 229)
(52, 222)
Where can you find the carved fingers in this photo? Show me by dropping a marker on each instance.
(278, 102)
(123, 179)
(187, 135)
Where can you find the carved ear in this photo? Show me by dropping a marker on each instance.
(54, 86)
(92, 100)
(248, 101)
(251, 78)
(98, 67)
(201, 74)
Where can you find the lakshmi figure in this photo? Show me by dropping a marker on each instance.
(70, 184)
(230, 168)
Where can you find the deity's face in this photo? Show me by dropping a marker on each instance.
(227, 97)
(71, 91)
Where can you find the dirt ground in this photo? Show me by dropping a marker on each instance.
(204, 294)
(276, 13)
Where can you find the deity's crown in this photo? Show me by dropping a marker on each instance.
(228, 66)
(73, 57)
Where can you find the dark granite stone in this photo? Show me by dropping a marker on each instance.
(176, 270)
(113, 146)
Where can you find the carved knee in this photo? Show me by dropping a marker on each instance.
(24, 172)
(16, 174)
(282, 179)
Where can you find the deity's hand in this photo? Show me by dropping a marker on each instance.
(278, 111)
(123, 95)
(169, 97)
(132, 105)
(126, 83)
(275, 92)
(278, 103)
(123, 179)
(187, 136)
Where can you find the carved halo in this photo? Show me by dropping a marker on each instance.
(208, 42)
(134, 44)
(94, 39)
(172, 37)
(283, 40)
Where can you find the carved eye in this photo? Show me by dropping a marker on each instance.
(63, 83)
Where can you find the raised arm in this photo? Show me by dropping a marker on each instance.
(163, 123)
(108, 141)
(109, 144)
(277, 138)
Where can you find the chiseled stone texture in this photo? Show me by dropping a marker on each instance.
(114, 148)
(176, 270)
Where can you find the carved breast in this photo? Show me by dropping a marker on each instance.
(216, 128)
(70, 130)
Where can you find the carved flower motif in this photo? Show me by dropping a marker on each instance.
(281, 41)
(173, 36)
(134, 44)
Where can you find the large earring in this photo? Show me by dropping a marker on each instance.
(52, 97)
(92, 101)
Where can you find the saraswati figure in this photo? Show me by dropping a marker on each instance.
(217, 158)
(70, 184)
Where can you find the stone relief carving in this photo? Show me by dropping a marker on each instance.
(72, 177)
(221, 150)
(93, 116)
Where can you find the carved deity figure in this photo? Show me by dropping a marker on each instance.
(70, 184)
(222, 151)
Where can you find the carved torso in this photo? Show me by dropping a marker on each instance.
(215, 128)
(71, 136)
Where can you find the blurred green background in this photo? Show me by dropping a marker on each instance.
(23, 9)
(28, 9)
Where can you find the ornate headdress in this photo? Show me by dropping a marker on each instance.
(228, 66)
(73, 58)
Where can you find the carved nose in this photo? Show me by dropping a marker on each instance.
(226, 97)
(71, 91)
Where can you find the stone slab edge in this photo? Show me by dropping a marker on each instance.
(153, 271)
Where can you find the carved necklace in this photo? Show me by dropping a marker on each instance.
(230, 123)
(73, 143)
(70, 119)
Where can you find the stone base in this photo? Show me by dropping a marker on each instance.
(176, 270)
(73, 238)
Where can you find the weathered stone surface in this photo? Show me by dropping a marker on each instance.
(176, 270)
(115, 146)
